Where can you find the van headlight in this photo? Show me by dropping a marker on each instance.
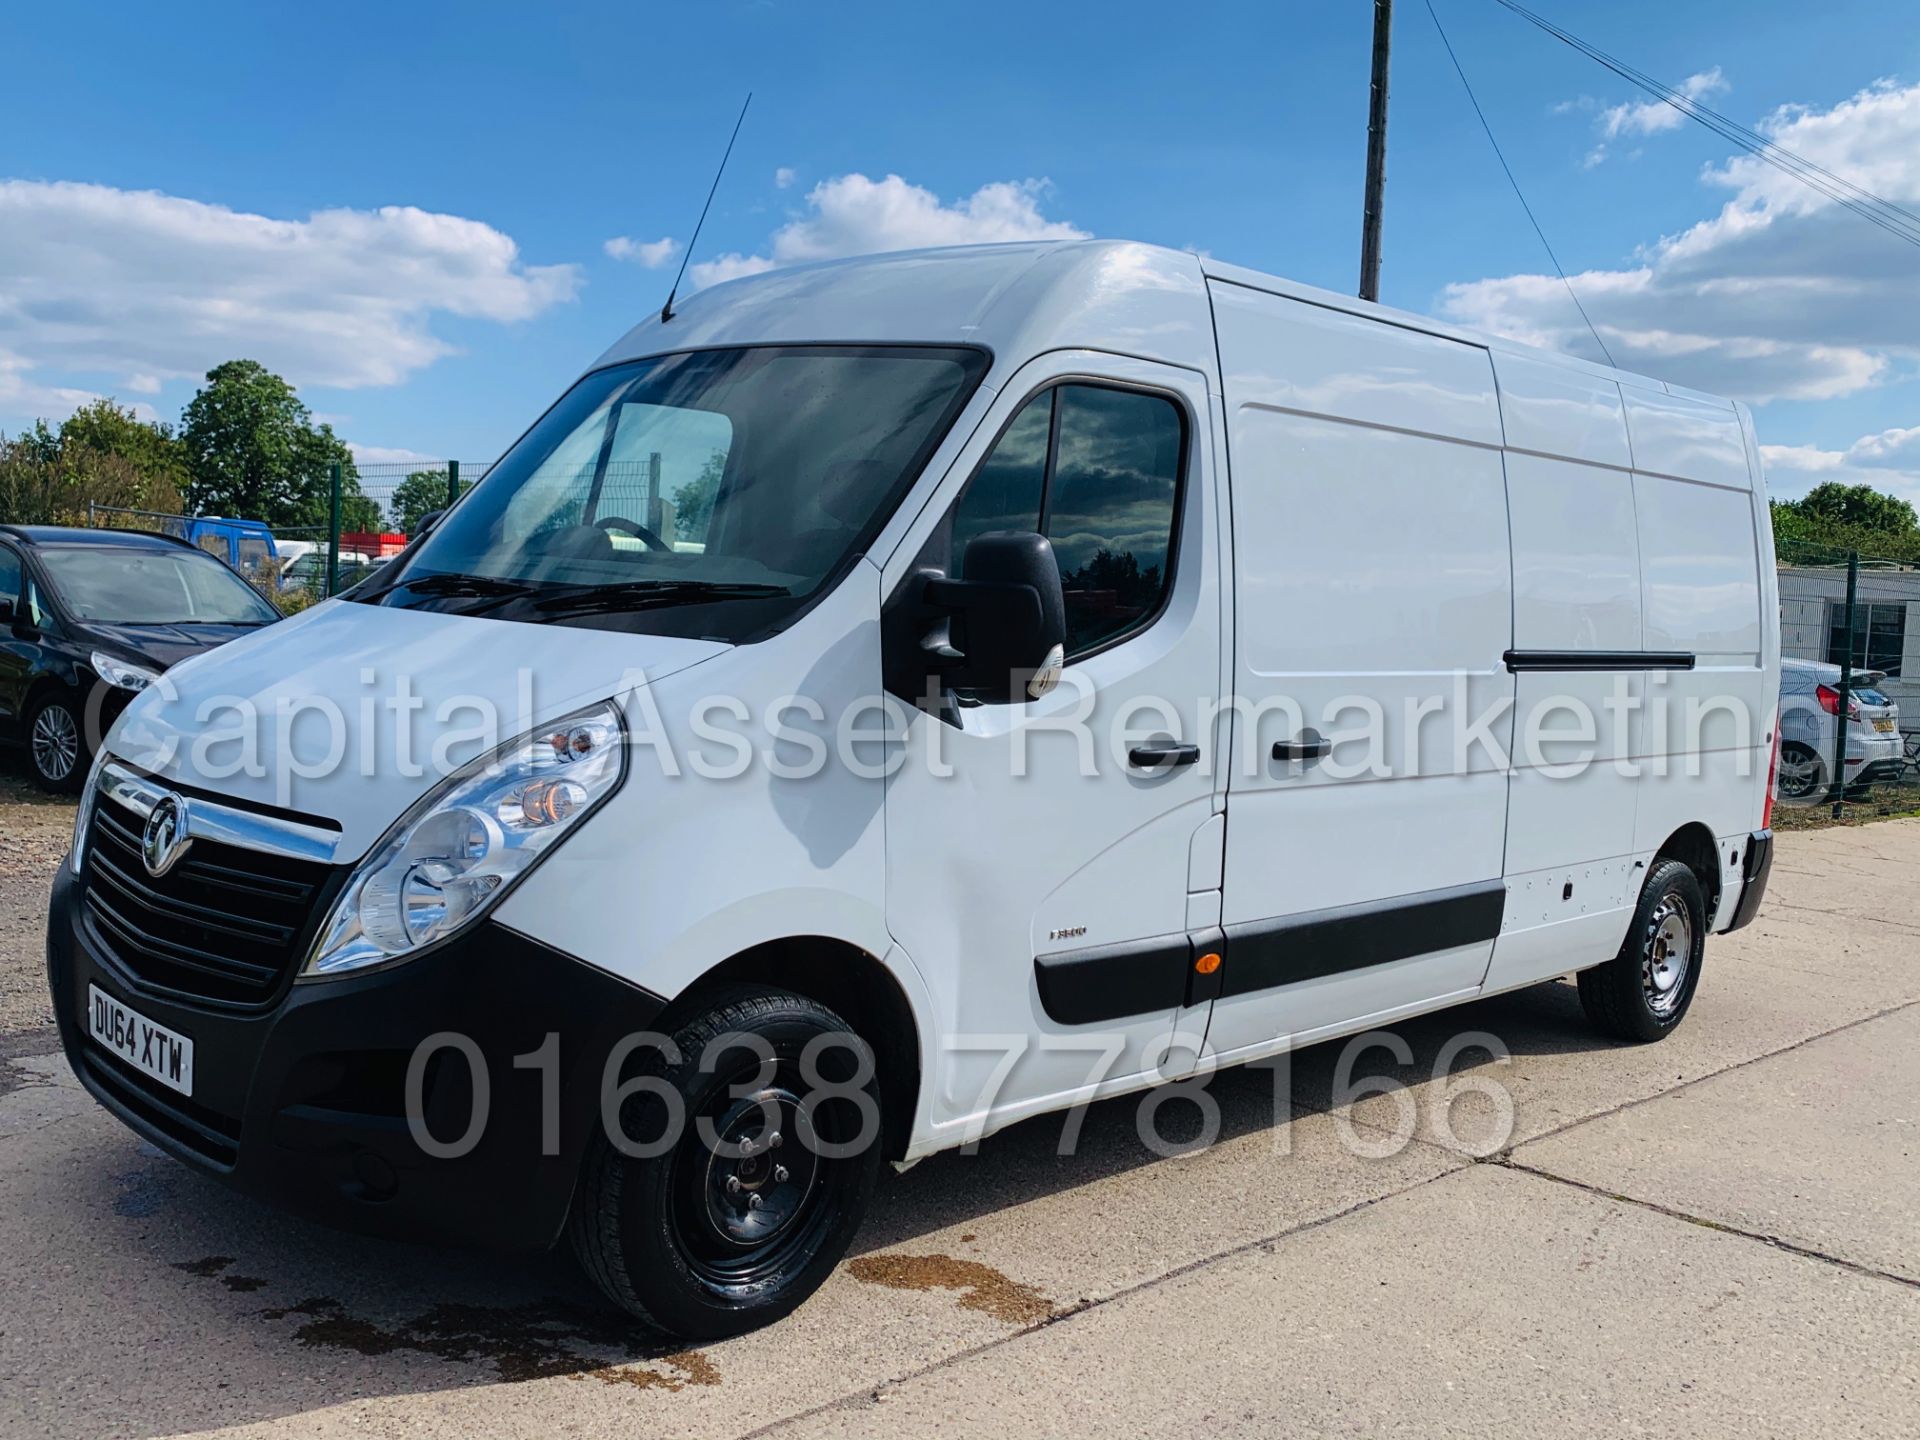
(461, 848)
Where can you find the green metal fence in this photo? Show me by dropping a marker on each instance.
(372, 511)
(1861, 615)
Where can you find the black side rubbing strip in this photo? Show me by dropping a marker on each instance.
(1111, 982)
(1599, 660)
(1263, 954)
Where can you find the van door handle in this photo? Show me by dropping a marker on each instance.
(1162, 755)
(1308, 746)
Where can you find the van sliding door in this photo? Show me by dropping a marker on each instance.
(1367, 799)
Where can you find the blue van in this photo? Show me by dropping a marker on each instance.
(244, 544)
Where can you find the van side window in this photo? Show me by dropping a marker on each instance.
(1097, 471)
(1004, 493)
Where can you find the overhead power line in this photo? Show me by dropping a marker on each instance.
(1896, 220)
(1545, 244)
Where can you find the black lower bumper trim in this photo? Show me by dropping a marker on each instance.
(1755, 870)
(305, 1104)
(1265, 954)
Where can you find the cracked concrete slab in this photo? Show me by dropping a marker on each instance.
(1819, 1147)
(1487, 1302)
(125, 1274)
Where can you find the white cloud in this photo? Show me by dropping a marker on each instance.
(22, 397)
(389, 455)
(1888, 461)
(155, 287)
(1636, 119)
(648, 254)
(1781, 295)
(784, 177)
(144, 384)
(855, 215)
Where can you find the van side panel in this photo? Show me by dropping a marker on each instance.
(1770, 612)
(1703, 735)
(1577, 587)
(1371, 570)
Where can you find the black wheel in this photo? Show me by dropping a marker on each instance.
(56, 745)
(1802, 775)
(744, 1207)
(1643, 993)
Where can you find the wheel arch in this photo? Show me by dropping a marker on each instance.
(1694, 846)
(858, 986)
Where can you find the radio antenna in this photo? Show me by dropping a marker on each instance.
(666, 310)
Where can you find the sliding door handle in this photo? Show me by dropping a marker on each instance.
(1162, 755)
(1308, 745)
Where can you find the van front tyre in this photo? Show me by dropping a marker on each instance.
(760, 1127)
(1644, 992)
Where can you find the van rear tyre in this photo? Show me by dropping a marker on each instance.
(761, 1127)
(1645, 991)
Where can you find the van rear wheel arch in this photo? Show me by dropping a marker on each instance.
(1693, 845)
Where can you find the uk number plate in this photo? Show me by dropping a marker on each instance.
(1883, 723)
(149, 1048)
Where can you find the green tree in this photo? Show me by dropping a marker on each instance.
(253, 451)
(693, 501)
(154, 452)
(1833, 518)
(417, 496)
(56, 484)
(1859, 506)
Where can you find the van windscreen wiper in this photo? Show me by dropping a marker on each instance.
(455, 584)
(650, 594)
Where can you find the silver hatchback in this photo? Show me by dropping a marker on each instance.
(1809, 713)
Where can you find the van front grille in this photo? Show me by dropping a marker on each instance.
(222, 926)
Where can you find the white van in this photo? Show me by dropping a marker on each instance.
(890, 699)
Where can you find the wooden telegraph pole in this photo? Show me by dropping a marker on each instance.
(1376, 153)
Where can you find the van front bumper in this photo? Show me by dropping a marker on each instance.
(304, 1104)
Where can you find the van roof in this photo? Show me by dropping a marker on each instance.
(1023, 298)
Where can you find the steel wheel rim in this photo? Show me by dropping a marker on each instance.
(1667, 956)
(730, 1248)
(56, 742)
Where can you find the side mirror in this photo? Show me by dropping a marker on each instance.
(1008, 617)
(427, 522)
(9, 611)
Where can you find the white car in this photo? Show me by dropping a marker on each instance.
(1809, 719)
(1003, 745)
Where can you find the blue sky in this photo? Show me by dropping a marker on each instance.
(271, 137)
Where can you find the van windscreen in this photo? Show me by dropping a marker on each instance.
(708, 493)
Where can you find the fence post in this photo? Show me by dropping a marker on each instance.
(453, 481)
(333, 529)
(1846, 687)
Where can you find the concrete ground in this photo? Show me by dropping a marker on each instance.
(1719, 1235)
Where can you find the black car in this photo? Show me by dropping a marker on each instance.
(88, 618)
